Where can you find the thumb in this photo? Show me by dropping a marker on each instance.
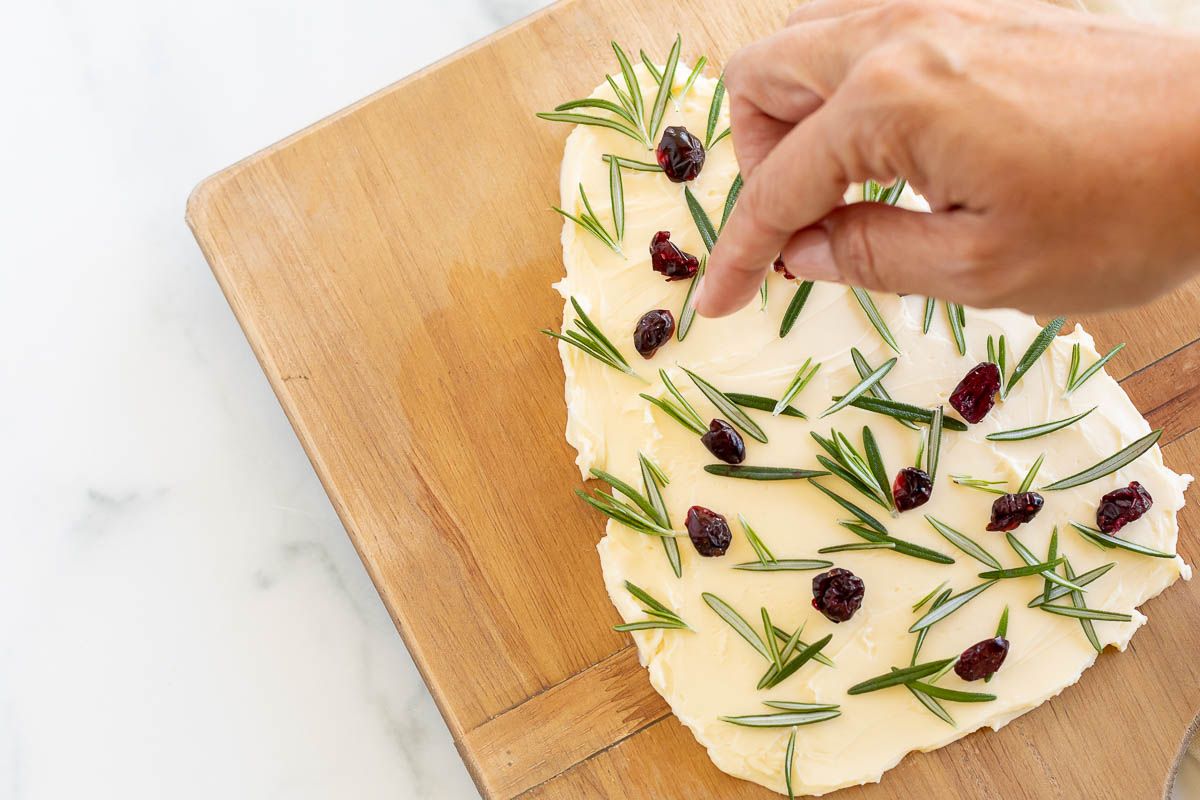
(881, 247)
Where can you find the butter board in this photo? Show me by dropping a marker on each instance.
(391, 266)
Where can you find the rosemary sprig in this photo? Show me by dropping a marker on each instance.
(1051, 554)
(687, 314)
(765, 556)
(932, 705)
(875, 462)
(878, 391)
(763, 290)
(678, 409)
(899, 545)
(809, 653)
(619, 126)
(927, 320)
(855, 546)
(1074, 381)
(952, 604)
(587, 220)
(639, 515)
(1038, 346)
(1058, 591)
(727, 407)
(735, 620)
(999, 358)
(1034, 431)
(665, 85)
(964, 543)
(952, 695)
(664, 618)
(1121, 458)
(853, 468)
(1087, 613)
(1021, 572)
(652, 479)
(616, 194)
(1028, 557)
(752, 473)
(917, 606)
(861, 515)
(956, 315)
(735, 190)
(651, 67)
(714, 112)
(861, 387)
(905, 412)
(787, 720)
(701, 63)
(766, 559)
(1112, 541)
(795, 306)
(980, 484)
(708, 234)
(1027, 482)
(875, 318)
(794, 641)
(591, 340)
(898, 676)
(1089, 630)
(803, 377)
(633, 89)
(938, 602)
(720, 137)
(769, 638)
(760, 403)
(633, 164)
(789, 758)
(933, 447)
(1001, 633)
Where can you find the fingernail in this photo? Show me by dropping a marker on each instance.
(811, 256)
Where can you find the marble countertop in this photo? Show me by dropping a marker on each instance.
(181, 613)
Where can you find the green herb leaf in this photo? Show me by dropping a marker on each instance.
(1089, 630)
(1038, 346)
(955, 312)
(714, 112)
(765, 556)
(691, 80)
(727, 407)
(873, 315)
(760, 403)
(795, 307)
(1051, 554)
(980, 484)
(952, 604)
(1034, 431)
(849, 548)
(899, 676)
(651, 67)
(934, 445)
(904, 411)
(1020, 572)
(1057, 591)
(1074, 382)
(784, 565)
(735, 621)
(687, 315)
(900, 545)
(652, 476)
(665, 86)
(964, 543)
(861, 387)
(631, 83)
(1028, 557)
(800, 659)
(587, 119)
(802, 379)
(789, 758)
(1086, 613)
(866, 518)
(674, 413)
(1031, 474)
(928, 320)
(952, 695)
(708, 234)
(933, 705)
(864, 370)
(917, 606)
(1002, 628)
(1109, 465)
(1123, 544)
(633, 164)
(769, 638)
(781, 720)
(591, 340)
(731, 199)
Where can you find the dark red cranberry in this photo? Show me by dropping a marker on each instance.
(653, 330)
(912, 488)
(975, 394)
(724, 442)
(1011, 510)
(680, 154)
(708, 531)
(782, 269)
(837, 594)
(1120, 507)
(668, 260)
(981, 660)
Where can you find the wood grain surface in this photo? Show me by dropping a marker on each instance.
(391, 266)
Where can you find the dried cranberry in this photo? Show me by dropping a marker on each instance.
(976, 393)
(708, 531)
(912, 488)
(668, 260)
(680, 154)
(653, 330)
(724, 442)
(782, 269)
(981, 660)
(837, 594)
(1011, 510)
(1120, 507)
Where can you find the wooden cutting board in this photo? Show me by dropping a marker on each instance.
(391, 266)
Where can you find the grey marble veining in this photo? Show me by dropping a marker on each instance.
(181, 613)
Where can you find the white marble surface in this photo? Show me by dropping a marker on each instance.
(181, 613)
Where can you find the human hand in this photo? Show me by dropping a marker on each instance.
(1059, 152)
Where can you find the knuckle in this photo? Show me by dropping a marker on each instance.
(854, 251)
